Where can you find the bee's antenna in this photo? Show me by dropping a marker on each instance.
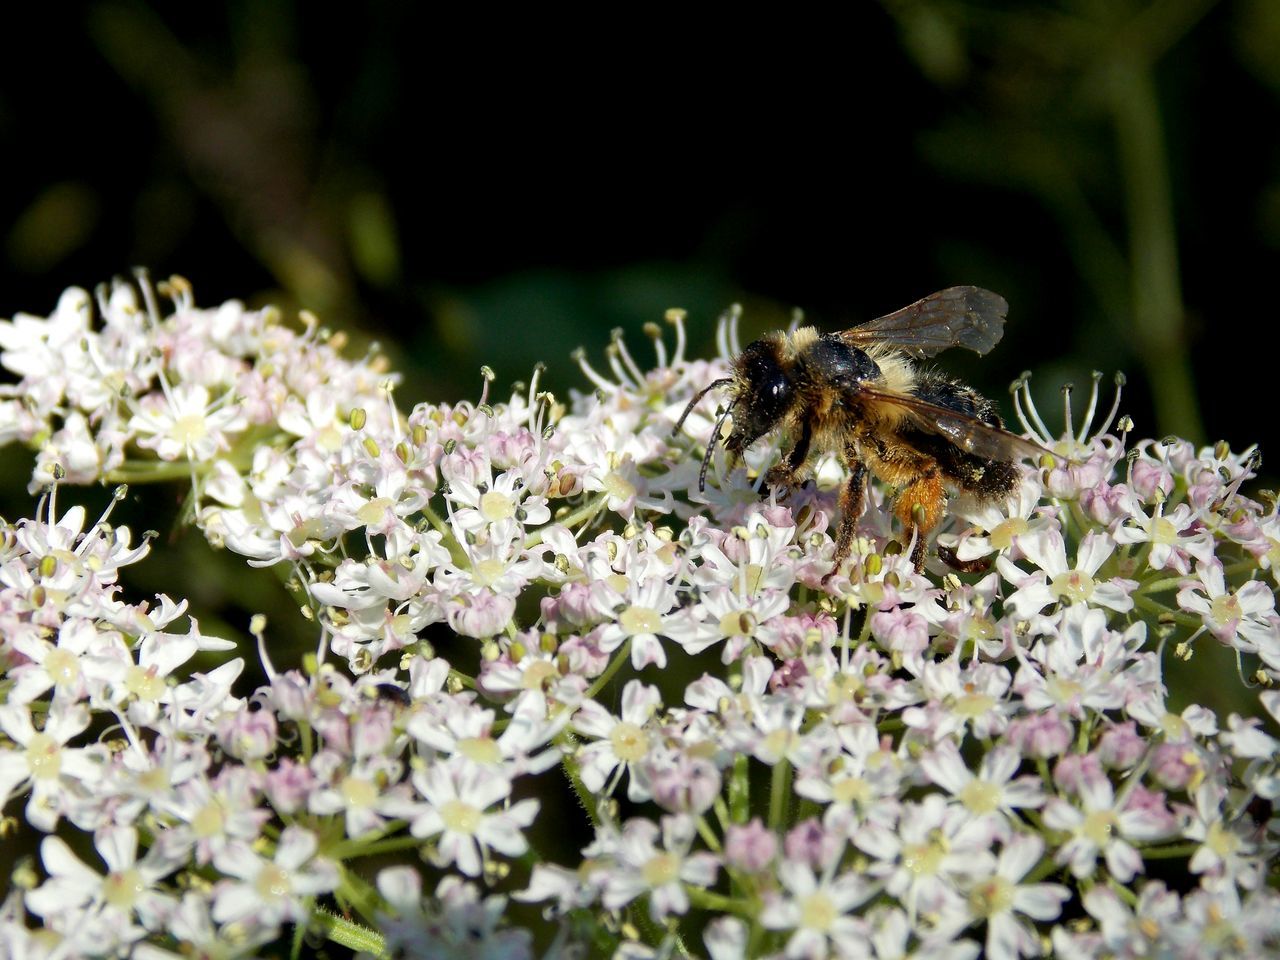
(711, 449)
(694, 402)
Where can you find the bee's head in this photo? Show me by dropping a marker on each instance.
(762, 393)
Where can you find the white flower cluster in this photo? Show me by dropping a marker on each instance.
(519, 595)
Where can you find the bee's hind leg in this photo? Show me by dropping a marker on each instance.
(919, 507)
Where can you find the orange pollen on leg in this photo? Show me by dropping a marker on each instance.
(921, 504)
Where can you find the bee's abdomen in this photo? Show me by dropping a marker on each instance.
(943, 391)
(989, 479)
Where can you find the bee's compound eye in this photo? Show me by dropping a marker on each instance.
(766, 394)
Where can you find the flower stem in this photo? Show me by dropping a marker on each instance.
(351, 935)
(614, 666)
(706, 900)
(779, 790)
(740, 789)
(447, 539)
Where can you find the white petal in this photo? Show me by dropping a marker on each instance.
(118, 847)
(60, 862)
(1041, 901)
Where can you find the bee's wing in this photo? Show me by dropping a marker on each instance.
(968, 433)
(956, 317)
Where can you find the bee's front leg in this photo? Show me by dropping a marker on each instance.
(852, 497)
(782, 476)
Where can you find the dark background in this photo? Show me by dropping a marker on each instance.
(503, 190)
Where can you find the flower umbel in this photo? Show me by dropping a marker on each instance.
(520, 597)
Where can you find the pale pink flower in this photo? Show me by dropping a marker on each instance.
(647, 609)
(860, 774)
(997, 527)
(43, 762)
(961, 698)
(1175, 540)
(455, 922)
(819, 912)
(466, 731)
(620, 742)
(925, 860)
(128, 891)
(1059, 582)
(1226, 856)
(656, 861)
(1103, 826)
(750, 847)
(1242, 618)
(208, 815)
(504, 499)
(998, 897)
(457, 809)
(184, 422)
(1083, 666)
(261, 892)
(992, 794)
(359, 792)
(725, 614)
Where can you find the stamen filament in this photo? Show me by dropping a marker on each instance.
(1090, 409)
(654, 333)
(636, 373)
(580, 357)
(676, 319)
(1067, 388)
(1115, 406)
(1034, 413)
(611, 352)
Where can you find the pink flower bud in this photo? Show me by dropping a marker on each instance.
(750, 847)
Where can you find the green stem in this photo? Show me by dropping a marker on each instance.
(707, 834)
(1160, 610)
(349, 849)
(619, 658)
(359, 893)
(308, 747)
(1160, 586)
(740, 789)
(706, 900)
(457, 554)
(160, 471)
(1175, 852)
(465, 679)
(351, 935)
(779, 790)
(568, 742)
(1044, 868)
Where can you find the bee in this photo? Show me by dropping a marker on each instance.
(857, 394)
